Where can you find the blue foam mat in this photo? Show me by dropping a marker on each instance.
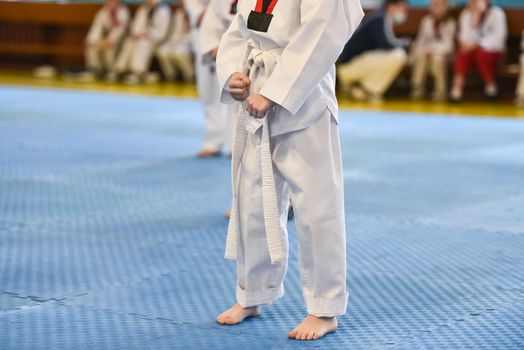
(112, 234)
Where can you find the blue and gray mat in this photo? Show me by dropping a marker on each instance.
(112, 234)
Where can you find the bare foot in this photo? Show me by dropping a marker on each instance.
(313, 328)
(237, 314)
(227, 214)
(208, 153)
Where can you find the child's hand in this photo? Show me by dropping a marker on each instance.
(258, 105)
(238, 86)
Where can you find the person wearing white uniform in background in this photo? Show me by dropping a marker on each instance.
(520, 85)
(483, 31)
(215, 22)
(105, 36)
(174, 55)
(374, 57)
(278, 59)
(432, 49)
(149, 28)
(206, 83)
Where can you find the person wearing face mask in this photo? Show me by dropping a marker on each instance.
(431, 50)
(482, 42)
(374, 56)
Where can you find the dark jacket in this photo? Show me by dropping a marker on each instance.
(374, 33)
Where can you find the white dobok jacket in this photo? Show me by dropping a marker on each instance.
(109, 25)
(216, 21)
(491, 34)
(305, 37)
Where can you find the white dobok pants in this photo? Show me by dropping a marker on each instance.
(98, 59)
(135, 56)
(374, 70)
(175, 62)
(436, 65)
(207, 84)
(307, 169)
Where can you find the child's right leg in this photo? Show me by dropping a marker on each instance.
(259, 281)
(122, 62)
(208, 89)
(463, 62)
(439, 72)
(418, 76)
(166, 65)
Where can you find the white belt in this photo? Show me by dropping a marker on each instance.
(254, 61)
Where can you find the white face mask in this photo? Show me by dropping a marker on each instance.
(399, 17)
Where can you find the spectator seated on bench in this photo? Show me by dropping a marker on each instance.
(105, 36)
(374, 56)
(482, 43)
(431, 51)
(149, 29)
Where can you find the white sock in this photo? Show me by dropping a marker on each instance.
(456, 93)
(491, 90)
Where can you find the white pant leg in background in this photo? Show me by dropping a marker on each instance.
(207, 84)
(124, 57)
(183, 62)
(419, 72)
(141, 57)
(520, 84)
(438, 68)
(374, 70)
(163, 56)
(308, 168)
(92, 58)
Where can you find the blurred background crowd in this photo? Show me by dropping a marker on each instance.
(446, 51)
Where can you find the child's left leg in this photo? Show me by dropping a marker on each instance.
(141, 58)
(439, 71)
(310, 161)
(487, 62)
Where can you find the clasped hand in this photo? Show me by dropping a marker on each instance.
(256, 105)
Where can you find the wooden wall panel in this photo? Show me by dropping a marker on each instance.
(54, 33)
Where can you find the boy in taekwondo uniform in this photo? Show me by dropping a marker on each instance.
(105, 36)
(175, 55)
(278, 59)
(206, 82)
(148, 30)
(215, 22)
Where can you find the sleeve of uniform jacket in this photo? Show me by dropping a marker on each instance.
(497, 32)
(230, 57)
(211, 29)
(160, 26)
(194, 9)
(123, 21)
(96, 29)
(325, 28)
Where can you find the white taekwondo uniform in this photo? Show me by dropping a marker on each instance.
(206, 80)
(288, 49)
(431, 52)
(216, 21)
(175, 54)
(107, 24)
(149, 28)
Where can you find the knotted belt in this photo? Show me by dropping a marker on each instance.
(256, 61)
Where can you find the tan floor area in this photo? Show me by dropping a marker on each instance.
(501, 109)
